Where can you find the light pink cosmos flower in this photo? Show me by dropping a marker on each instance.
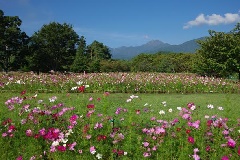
(88, 136)
(19, 158)
(225, 132)
(98, 125)
(146, 154)
(53, 99)
(4, 135)
(71, 147)
(154, 148)
(186, 116)
(145, 144)
(92, 150)
(159, 130)
(29, 132)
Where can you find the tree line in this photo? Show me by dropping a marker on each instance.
(58, 47)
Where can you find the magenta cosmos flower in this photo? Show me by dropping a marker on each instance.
(191, 140)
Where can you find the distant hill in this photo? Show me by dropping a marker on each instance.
(152, 47)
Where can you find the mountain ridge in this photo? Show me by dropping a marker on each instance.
(154, 46)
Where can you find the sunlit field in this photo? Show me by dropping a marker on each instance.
(118, 116)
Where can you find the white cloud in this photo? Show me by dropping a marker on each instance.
(214, 19)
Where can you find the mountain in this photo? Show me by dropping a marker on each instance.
(152, 47)
(130, 52)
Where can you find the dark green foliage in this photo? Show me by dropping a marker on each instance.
(53, 47)
(219, 54)
(142, 62)
(163, 62)
(13, 43)
(115, 66)
(96, 52)
(80, 63)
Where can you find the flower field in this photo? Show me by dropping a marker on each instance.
(70, 116)
(117, 83)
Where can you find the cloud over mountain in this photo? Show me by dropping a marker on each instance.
(214, 19)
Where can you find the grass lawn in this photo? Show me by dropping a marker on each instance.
(152, 102)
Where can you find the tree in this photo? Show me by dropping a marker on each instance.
(96, 52)
(53, 47)
(12, 42)
(80, 63)
(219, 54)
(235, 65)
(142, 62)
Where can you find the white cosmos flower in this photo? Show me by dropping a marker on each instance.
(170, 110)
(55, 143)
(99, 156)
(133, 96)
(193, 107)
(179, 108)
(86, 86)
(220, 108)
(210, 106)
(64, 140)
(161, 112)
(74, 88)
(79, 83)
(164, 103)
(129, 100)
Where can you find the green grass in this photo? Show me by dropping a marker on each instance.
(230, 102)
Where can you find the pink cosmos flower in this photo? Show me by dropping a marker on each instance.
(98, 125)
(146, 154)
(186, 116)
(61, 148)
(225, 132)
(154, 148)
(88, 136)
(196, 157)
(191, 140)
(29, 132)
(153, 118)
(42, 131)
(19, 158)
(145, 144)
(159, 130)
(231, 143)
(225, 158)
(71, 146)
(208, 148)
(92, 150)
(4, 135)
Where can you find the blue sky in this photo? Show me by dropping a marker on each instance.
(118, 23)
